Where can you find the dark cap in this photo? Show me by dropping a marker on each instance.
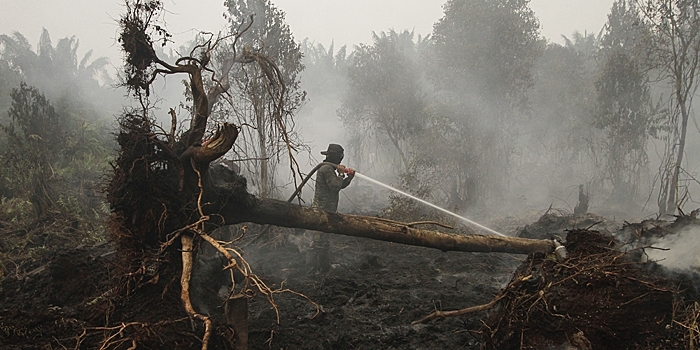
(333, 148)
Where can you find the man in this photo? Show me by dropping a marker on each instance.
(330, 179)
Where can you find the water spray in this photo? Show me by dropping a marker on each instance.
(364, 177)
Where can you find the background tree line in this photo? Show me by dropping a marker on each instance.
(485, 111)
(55, 117)
(482, 112)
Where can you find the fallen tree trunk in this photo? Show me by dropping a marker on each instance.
(279, 213)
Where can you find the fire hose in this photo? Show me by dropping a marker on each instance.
(297, 191)
(560, 250)
(306, 179)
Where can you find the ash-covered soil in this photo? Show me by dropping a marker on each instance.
(372, 294)
(368, 300)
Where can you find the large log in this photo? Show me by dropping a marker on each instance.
(279, 213)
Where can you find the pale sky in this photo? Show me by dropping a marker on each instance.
(348, 22)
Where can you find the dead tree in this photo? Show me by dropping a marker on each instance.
(164, 203)
(279, 213)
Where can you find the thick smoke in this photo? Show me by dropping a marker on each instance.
(682, 250)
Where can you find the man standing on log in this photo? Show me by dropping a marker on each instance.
(330, 179)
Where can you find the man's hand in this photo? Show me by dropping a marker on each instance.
(341, 169)
(350, 172)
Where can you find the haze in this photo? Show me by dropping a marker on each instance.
(93, 22)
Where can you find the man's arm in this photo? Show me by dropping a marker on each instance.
(348, 179)
(333, 181)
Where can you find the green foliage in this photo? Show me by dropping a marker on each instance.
(16, 210)
(55, 137)
(50, 177)
(486, 48)
(35, 140)
(51, 160)
(270, 35)
(482, 57)
(672, 39)
(561, 98)
(55, 70)
(624, 108)
(250, 101)
(385, 102)
(325, 71)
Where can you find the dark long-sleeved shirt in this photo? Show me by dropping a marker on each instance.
(328, 186)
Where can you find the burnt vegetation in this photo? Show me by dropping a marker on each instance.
(165, 258)
(165, 204)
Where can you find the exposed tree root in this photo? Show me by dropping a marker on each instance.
(187, 248)
(469, 310)
(588, 299)
(114, 337)
(691, 325)
(455, 313)
(187, 253)
(244, 268)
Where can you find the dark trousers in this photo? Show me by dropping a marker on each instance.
(318, 255)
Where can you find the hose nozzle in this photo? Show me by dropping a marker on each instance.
(559, 251)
